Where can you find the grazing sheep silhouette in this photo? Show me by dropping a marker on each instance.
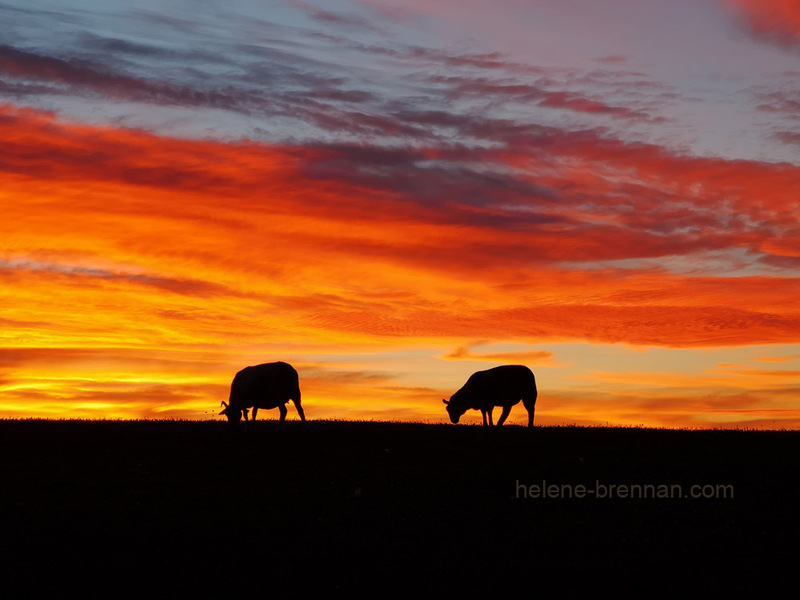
(266, 386)
(501, 386)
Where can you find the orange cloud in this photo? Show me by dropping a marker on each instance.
(778, 359)
(139, 272)
(530, 358)
(152, 215)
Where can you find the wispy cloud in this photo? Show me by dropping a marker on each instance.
(529, 357)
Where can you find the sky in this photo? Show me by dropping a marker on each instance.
(391, 195)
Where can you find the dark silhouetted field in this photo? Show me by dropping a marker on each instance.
(171, 509)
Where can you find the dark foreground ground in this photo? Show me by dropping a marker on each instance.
(182, 509)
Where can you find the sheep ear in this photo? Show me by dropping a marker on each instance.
(445, 401)
(225, 404)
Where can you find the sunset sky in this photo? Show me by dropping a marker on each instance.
(393, 194)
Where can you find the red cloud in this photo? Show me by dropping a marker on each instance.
(579, 197)
(404, 243)
(775, 19)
